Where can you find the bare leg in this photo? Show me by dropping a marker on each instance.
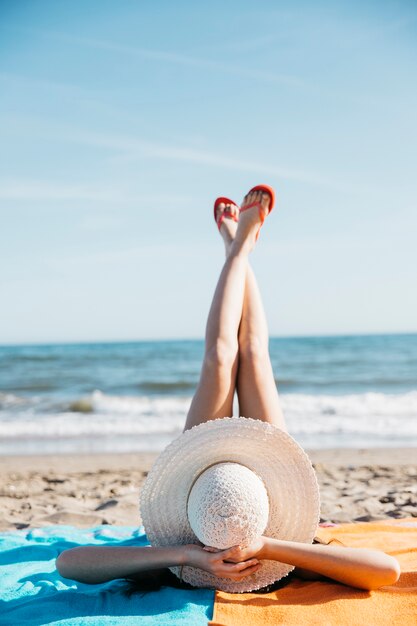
(215, 391)
(256, 388)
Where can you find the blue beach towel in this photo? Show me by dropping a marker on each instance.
(32, 591)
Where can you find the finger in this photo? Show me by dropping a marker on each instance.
(233, 555)
(238, 567)
(243, 554)
(237, 576)
(248, 571)
(210, 549)
(234, 559)
(230, 552)
(232, 569)
(251, 569)
(245, 564)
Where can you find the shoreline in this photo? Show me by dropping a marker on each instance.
(85, 490)
(126, 460)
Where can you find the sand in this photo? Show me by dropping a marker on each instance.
(87, 490)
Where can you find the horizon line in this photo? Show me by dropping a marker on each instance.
(185, 339)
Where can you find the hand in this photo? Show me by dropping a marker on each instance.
(223, 563)
(256, 550)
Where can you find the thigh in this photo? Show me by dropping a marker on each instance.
(214, 395)
(257, 392)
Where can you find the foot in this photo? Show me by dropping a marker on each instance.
(251, 219)
(228, 227)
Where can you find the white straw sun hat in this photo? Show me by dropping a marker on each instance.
(224, 483)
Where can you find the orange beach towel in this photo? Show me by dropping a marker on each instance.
(321, 603)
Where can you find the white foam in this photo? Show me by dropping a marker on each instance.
(142, 423)
(386, 415)
(9, 400)
(138, 405)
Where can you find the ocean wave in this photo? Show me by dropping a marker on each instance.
(161, 386)
(352, 405)
(371, 417)
(10, 400)
(40, 386)
(68, 425)
(137, 405)
(366, 419)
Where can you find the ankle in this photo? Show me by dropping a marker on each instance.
(239, 248)
(243, 243)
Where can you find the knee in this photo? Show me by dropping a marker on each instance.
(221, 356)
(253, 349)
(63, 563)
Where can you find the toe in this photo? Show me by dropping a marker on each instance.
(249, 198)
(265, 200)
(220, 209)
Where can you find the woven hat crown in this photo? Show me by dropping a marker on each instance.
(228, 505)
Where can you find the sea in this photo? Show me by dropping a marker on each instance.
(336, 392)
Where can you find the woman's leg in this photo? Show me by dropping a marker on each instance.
(215, 391)
(256, 388)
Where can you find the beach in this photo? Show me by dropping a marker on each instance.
(87, 490)
(80, 424)
(335, 392)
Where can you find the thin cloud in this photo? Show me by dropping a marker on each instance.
(188, 61)
(132, 149)
(44, 83)
(244, 44)
(41, 190)
(170, 57)
(24, 189)
(138, 149)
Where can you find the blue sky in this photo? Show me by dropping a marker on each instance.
(122, 121)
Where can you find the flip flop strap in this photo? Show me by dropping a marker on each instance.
(250, 206)
(226, 214)
(260, 210)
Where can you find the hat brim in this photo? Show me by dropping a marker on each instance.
(283, 466)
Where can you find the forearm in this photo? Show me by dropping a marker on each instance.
(99, 564)
(358, 567)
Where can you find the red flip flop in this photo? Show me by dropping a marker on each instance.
(225, 213)
(266, 189)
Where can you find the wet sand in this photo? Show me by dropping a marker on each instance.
(87, 490)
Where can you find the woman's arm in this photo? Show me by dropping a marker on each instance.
(99, 564)
(358, 567)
